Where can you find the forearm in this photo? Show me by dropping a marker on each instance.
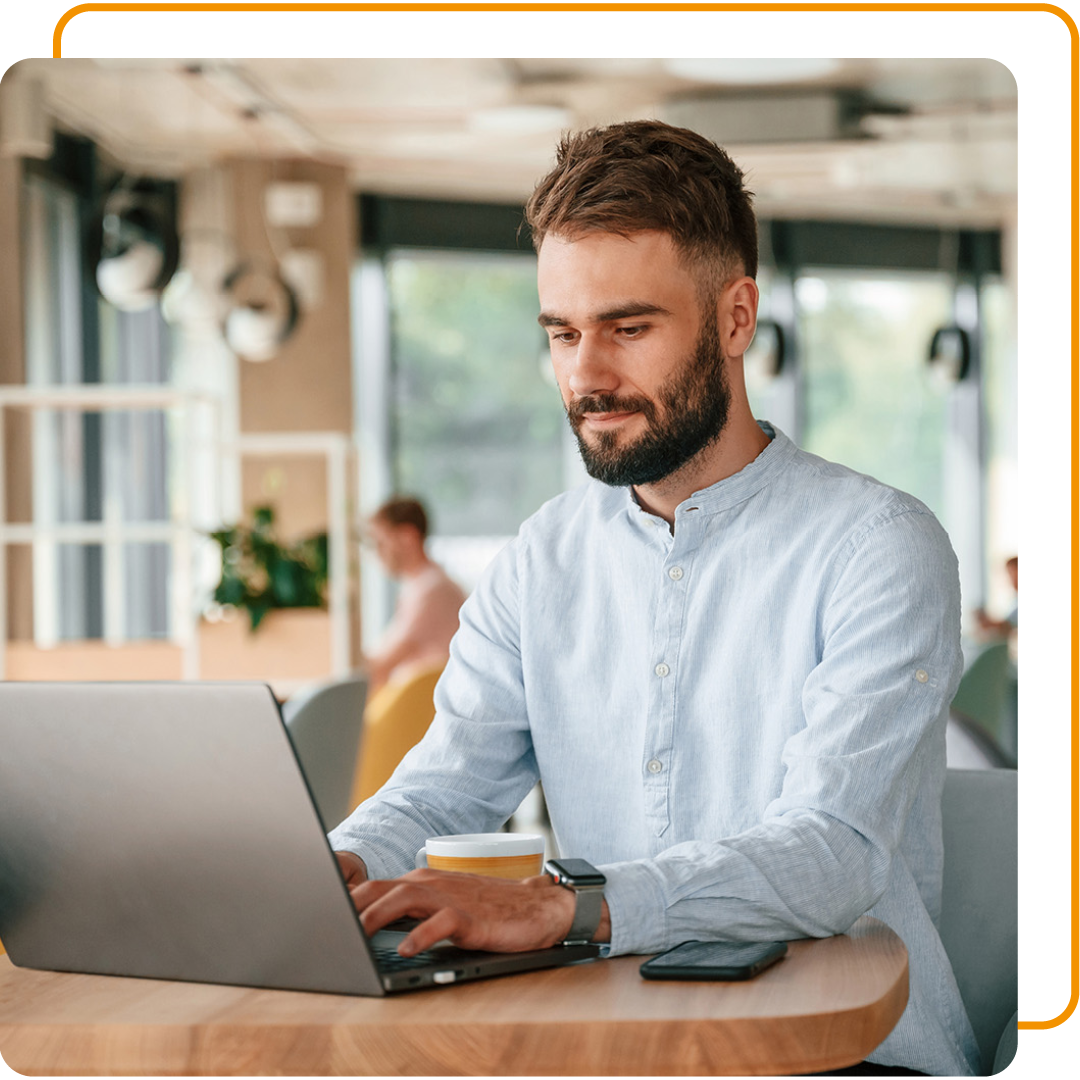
(810, 878)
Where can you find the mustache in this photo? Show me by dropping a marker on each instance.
(609, 403)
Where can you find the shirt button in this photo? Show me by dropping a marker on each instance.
(921, 675)
(675, 573)
(662, 670)
(654, 766)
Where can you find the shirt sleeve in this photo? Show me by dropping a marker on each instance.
(474, 766)
(875, 707)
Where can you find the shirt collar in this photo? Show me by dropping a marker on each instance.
(739, 486)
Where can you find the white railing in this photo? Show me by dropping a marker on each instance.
(181, 532)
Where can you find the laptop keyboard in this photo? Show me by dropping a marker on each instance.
(389, 959)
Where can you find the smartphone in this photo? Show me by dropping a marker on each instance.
(720, 960)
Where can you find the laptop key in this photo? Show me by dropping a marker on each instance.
(392, 960)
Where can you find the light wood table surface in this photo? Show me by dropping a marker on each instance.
(826, 1005)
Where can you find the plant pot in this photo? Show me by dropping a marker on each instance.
(291, 644)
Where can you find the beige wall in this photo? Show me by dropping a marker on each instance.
(308, 385)
(16, 423)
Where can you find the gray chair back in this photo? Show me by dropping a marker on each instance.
(324, 724)
(978, 901)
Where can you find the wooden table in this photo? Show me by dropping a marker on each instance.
(827, 1005)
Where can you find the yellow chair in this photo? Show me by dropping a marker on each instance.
(395, 720)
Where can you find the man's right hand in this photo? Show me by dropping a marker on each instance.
(352, 869)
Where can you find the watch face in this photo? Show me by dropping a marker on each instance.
(578, 872)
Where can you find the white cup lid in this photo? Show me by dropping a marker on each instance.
(485, 845)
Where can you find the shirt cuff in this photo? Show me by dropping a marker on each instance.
(380, 861)
(637, 908)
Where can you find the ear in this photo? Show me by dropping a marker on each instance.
(737, 315)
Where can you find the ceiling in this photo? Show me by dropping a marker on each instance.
(872, 139)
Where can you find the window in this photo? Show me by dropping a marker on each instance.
(88, 467)
(477, 422)
(1002, 478)
(869, 401)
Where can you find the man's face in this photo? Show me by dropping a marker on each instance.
(638, 362)
(389, 541)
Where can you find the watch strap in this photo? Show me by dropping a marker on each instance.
(587, 885)
(587, 913)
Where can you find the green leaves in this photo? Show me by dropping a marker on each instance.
(259, 573)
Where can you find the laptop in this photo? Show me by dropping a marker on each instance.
(165, 830)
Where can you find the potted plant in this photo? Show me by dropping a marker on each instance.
(259, 573)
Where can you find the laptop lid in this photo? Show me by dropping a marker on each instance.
(165, 830)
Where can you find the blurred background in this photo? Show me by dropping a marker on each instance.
(243, 301)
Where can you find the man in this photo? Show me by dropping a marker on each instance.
(728, 660)
(426, 616)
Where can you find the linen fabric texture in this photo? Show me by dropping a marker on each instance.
(741, 724)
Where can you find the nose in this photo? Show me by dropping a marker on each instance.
(592, 370)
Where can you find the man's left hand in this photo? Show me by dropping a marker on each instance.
(473, 912)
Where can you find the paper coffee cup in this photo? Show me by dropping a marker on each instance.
(501, 855)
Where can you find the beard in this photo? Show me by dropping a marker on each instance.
(688, 414)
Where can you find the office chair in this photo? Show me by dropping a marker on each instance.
(968, 746)
(324, 724)
(979, 905)
(396, 719)
(986, 696)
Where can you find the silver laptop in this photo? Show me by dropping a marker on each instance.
(165, 830)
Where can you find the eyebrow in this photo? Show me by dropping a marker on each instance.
(630, 310)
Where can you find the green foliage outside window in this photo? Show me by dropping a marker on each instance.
(477, 427)
(870, 402)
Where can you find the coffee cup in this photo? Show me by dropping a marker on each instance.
(502, 855)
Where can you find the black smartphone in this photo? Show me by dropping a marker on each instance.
(720, 960)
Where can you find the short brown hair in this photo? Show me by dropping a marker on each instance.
(402, 510)
(644, 174)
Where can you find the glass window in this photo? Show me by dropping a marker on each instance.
(91, 467)
(869, 401)
(1002, 481)
(477, 428)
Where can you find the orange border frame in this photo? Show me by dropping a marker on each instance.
(663, 8)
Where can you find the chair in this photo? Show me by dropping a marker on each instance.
(978, 902)
(396, 719)
(986, 696)
(968, 746)
(324, 724)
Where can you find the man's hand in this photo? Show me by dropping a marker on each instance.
(474, 912)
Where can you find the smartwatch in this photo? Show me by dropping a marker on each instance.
(587, 884)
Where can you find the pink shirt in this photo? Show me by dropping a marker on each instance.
(425, 620)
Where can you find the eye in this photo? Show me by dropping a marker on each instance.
(631, 331)
(564, 337)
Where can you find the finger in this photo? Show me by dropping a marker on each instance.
(445, 923)
(401, 901)
(367, 892)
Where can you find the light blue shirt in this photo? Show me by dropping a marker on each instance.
(742, 724)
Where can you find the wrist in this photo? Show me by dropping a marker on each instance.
(583, 888)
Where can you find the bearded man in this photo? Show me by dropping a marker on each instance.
(729, 661)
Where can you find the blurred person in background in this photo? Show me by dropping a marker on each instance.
(426, 615)
(1002, 628)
